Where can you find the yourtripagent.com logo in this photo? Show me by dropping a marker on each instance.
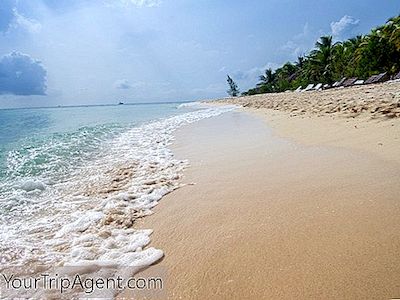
(102, 283)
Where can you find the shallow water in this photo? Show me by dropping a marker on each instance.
(74, 180)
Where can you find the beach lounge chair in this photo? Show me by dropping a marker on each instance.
(326, 86)
(350, 82)
(298, 89)
(339, 83)
(342, 81)
(308, 87)
(377, 78)
(359, 82)
(397, 76)
(370, 80)
(318, 87)
(381, 78)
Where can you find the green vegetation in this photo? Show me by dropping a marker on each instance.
(233, 88)
(362, 56)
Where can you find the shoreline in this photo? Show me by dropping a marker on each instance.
(272, 218)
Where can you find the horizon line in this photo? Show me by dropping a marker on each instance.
(94, 105)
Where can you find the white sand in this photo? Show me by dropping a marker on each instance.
(274, 219)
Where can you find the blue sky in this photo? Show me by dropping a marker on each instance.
(68, 52)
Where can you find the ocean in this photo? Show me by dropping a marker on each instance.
(73, 181)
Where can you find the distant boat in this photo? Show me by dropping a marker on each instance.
(120, 103)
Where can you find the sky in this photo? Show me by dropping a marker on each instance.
(73, 52)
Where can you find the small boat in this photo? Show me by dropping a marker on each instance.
(120, 103)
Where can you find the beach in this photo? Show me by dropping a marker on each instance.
(278, 206)
(253, 201)
(156, 149)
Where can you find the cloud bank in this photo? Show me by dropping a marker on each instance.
(22, 75)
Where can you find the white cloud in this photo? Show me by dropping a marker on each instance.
(294, 48)
(10, 18)
(344, 26)
(142, 3)
(122, 84)
(30, 25)
(302, 42)
(222, 69)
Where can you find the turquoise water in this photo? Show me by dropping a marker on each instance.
(50, 141)
(42, 147)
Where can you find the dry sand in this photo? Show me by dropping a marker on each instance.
(377, 137)
(269, 218)
(376, 101)
(362, 118)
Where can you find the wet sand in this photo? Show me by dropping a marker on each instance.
(269, 218)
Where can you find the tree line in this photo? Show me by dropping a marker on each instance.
(361, 56)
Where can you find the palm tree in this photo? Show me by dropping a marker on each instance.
(233, 87)
(321, 59)
(349, 59)
(391, 30)
(269, 77)
(376, 53)
(339, 62)
(300, 62)
(267, 81)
